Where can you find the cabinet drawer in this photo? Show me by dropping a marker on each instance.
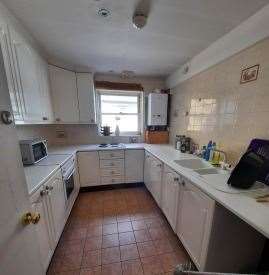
(112, 154)
(111, 180)
(106, 163)
(108, 172)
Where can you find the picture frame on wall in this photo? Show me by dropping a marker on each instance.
(250, 74)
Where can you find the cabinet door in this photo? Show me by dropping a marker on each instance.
(134, 165)
(170, 195)
(195, 218)
(57, 204)
(64, 95)
(26, 66)
(156, 169)
(147, 165)
(88, 167)
(43, 231)
(15, 96)
(47, 111)
(86, 98)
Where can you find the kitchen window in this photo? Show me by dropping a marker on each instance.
(122, 108)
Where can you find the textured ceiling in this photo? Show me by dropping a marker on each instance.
(72, 33)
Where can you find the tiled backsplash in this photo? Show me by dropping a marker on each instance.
(214, 105)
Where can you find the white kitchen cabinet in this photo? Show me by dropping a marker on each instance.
(86, 98)
(147, 165)
(134, 165)
(26, 69)
(43, 227)
(88, 167)
(195, 214)
(64, 95)
(171, 187)
(153, 176)
(57, 204)
(43, 73)
(14, 92)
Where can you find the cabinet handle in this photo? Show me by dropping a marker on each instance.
(45, 118)
(44, 192)
(49, 188)
(176, 179)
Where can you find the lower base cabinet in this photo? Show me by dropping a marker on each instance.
(195, 214)
(171, 187)
(50, 202)
(88, 167)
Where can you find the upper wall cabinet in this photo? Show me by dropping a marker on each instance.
(73, 96)
(64, 95)
(86, 98)
(27, 79)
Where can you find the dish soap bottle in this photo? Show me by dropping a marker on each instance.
(212, 151)
(208, 149)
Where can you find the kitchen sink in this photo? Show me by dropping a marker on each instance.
(193, 163)
(208, 171)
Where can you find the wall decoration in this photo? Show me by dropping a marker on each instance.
(249, 74)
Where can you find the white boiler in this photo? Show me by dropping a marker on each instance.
(157, 109)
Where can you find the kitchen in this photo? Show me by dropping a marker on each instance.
(78, 197)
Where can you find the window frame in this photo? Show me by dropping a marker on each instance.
(140, 109)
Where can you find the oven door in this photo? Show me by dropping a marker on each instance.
(69, 183)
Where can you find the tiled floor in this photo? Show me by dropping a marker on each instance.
(117, 232)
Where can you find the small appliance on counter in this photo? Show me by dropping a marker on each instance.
(33, 150)
(253, 166)
(183, 144)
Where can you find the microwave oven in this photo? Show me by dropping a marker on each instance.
(33, 150)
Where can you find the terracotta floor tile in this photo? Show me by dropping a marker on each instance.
(132, 267)
(152, 265)
(129, 252)
(163, 246)
(142, 235)
(91, 258)
(126, 217)
(169, 261)
(70, 247)
(67, 262)
(74, 234)
(110, 255)
(94, 231)
(110, 229)
(123, 218)
(109, 219)
(94, 243)
(125, 227)
(126, 238)
(112, 269)
(91, 271)
(140, 224)
(146, 249)
(110, 240)
(157, 233)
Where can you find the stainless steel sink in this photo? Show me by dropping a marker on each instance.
(193, 163)
(207, 171)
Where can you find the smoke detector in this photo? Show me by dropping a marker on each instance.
(103, 12)
(139, 20)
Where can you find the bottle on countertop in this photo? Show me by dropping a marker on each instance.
(208, 148)
(212, 151)
(203, 152)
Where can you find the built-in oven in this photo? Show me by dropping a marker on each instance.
(68, 172)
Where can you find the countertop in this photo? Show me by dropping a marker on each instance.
(37, 175)
(243, 206)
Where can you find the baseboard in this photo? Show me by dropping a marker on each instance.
(110, 187)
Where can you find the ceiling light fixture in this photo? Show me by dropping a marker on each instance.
(139, 20)
(103, 12)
